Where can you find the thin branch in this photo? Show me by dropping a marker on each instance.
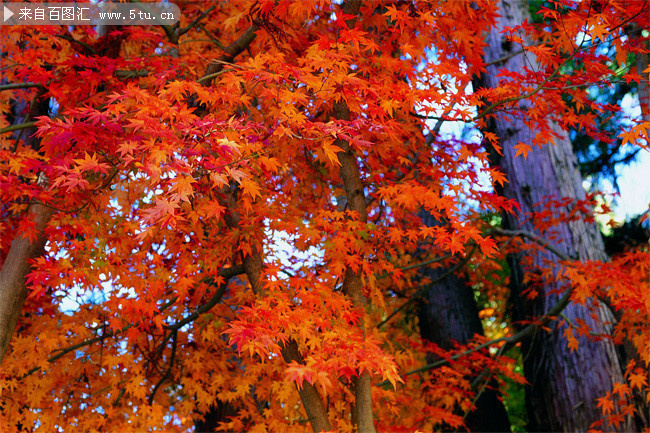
(18, 127)
(574, 326)
(198, 19)
(509, 342)
(418, 265)
(120, 73)
(214, 300)
(536, 239)
(63, 352)
(504, 58)
(164, 377)
(231, 51)
(444, 118)
(214, 75)
(119, 397)
(188, 41)
(226, 273)
(211, 37)
(20, 86)
(475, 383)
(426, 287)
(541, 85)
(75, 41)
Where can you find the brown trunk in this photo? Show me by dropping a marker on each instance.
(447, 314)
(15, 267)
(563, 385)
(643, 87)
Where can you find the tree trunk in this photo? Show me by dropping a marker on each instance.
(563, 385)
(447, 314)
(15, 267)
(643, 87)
(218, 413)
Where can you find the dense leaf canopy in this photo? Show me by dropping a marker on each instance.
(229, 208)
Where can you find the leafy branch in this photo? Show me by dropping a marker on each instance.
(225, 273)
(20, 86)
(426, 287)
(164, 377)
(18, 127)
(509, 342)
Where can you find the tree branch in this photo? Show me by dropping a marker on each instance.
(541, 85)
(14, 271)
(253, 265)
(75, 41)
(197, 20)
(504, 58)
(126, 74)
(418, 265)
(316, 412)
(352, 281)
(214, 75)
(536, 239)
(509, 342)
(164, 377)
(426, 287)
(20, 86)
(226, 273)
(231, 51)
(214, 300)
(18, 127)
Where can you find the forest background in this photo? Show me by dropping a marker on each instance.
(259, 219)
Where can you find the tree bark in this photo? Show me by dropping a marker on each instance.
(563, 385)
(362, 414)
(447, 314)
(352, 281)
(643, 87)
(15, 267)
(253, 266)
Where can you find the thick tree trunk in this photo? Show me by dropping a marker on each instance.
(447, 314)
(15, 267)
(644, 88)
(563, 385)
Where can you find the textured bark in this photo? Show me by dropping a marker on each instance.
(564, 385)
(644, 88)
(447, 314)
(15, 268)
(316, 411)
(352, 282)
(253, 266)
(254, 263)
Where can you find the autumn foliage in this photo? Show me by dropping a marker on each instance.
(229, 209)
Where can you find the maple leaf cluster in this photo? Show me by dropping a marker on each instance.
(233, 213)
